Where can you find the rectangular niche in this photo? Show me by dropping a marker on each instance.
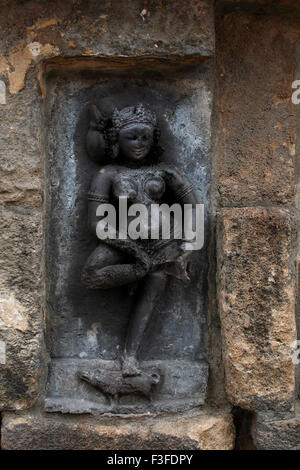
(87, 328)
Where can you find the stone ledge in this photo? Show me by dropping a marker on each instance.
(198, 429)
(181, 386)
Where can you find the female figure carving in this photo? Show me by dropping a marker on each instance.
(131, 139)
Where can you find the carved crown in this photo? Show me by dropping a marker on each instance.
(133, 115)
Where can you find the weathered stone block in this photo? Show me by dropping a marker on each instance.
(20, 153)
(256, 130)
(278, 435)
(98, 29)
(20, 313)
(204, 430)
(256, 296)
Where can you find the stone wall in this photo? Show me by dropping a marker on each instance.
(256, 181)
(250, 50)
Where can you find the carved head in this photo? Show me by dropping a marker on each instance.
(135, 132)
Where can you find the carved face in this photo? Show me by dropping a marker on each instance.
(135, 141)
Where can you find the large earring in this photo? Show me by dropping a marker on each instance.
(113, 137)
(115, 150)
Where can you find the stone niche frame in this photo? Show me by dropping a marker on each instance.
(87, 328)
(207, 426)
(250, 189)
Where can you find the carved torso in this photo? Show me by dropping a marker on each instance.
(143, 185)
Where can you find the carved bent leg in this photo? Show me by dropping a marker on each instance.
(107, 267)
(150, 291)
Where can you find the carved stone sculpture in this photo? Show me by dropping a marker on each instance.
(130, 139)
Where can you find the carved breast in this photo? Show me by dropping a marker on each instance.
(140, 186)
(155, 187)
(125, 186)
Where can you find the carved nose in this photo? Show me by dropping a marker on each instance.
(140, 142)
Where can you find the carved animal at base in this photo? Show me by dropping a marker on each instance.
(113, 385)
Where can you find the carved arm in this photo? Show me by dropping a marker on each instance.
(181, 187)
(184, 193)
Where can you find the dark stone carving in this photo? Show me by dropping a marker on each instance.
(131, 139)
(122, 310)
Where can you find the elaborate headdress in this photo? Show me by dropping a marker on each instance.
(133, 115)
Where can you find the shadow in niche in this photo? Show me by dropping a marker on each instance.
(89, 326)
(243, 420)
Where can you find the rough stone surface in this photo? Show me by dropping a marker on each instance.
(193, 430)
(20, 312)
(20, 149)
(269, 5)
(93, 28)
(256, 129)
(32, 34)
(297, 223)
(278, 435)
(256, 295)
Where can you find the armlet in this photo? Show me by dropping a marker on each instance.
(97, 197)
(184, 191)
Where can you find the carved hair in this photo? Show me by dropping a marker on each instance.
(132, 115)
